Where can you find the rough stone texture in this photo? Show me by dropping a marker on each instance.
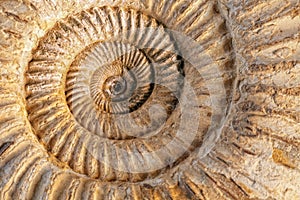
(239, 127)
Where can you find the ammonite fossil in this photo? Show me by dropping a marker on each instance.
(144, 99)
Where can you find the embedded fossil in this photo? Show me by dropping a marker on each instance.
(145, 99)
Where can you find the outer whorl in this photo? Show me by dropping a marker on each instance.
(145, 99)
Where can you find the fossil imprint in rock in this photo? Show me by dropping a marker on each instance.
(145, 99)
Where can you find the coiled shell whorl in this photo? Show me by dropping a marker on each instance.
(145, 99)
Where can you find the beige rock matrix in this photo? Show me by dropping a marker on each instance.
(149, 99)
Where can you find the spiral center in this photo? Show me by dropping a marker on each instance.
(114, 86)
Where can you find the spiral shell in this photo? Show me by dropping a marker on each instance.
(149, 99)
